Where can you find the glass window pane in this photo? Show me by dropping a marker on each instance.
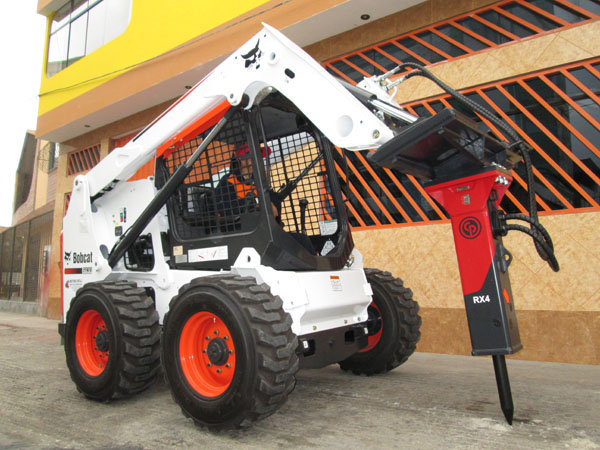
(61, 18)
(7, 242)
(421, 50)
(16, 281)
(440, 43)
(482, 30)
(586, 77)
(79, 7)
(589, 5)
(364, 65)
(380, 59)
(77, 39)
(437, 105)
(97, 18)
(421, 111)
(558, 10)
(462, 37)
(399, 54)
(348, 71)
(119, 12)
(530, 16)
(566, 85)
(507, 24)
(82, 26)
(57, 51)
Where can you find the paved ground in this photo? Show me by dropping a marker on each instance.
(432, 401)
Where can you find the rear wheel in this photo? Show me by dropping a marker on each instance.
(393, 323)
(112, 340)
(228, 351)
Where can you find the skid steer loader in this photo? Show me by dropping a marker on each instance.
(234, 265)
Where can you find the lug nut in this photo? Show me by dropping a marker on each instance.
(216, 331)
(218, 370)
(209, 364)
(228, 365)
(226, 338)
(208, 338)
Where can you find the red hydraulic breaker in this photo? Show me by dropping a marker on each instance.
(472, 203)
(468, 174)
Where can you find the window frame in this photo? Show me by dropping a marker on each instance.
(73, 12)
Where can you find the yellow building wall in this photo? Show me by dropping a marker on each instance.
(155, 28)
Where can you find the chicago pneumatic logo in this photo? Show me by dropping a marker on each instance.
(469, 227)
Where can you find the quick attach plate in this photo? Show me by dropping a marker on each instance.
(446, 145)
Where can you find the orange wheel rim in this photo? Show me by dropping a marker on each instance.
(91, 343)
(207, 354)
(374, 338)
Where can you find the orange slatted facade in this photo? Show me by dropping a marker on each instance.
(556, 111)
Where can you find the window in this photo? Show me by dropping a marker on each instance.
(468, 33)
(81, 26)
(48, 156)
(53, 153)
(83, 159)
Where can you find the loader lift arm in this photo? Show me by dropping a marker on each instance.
(268, 61)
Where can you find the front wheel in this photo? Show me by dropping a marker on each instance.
(393, 323)
(112, 340)
(228, 351)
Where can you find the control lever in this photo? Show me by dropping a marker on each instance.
(303, 205)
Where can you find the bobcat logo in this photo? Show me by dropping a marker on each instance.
(253, 56)
(68, 256)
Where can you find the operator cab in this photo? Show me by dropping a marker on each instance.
(267, 181)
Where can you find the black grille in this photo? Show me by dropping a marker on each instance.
(301, 163)
(215, 198)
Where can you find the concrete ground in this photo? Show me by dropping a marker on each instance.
(432, 401)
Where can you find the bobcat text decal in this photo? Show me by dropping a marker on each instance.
(78, 257)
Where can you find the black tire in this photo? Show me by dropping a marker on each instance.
(120, 321)
(253, 339)
(394, 327)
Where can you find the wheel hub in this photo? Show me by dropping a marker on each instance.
(207, 354)
(217, 351)
(92, 343)
(102, 341)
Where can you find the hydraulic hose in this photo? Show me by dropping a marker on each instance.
(541, 239)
